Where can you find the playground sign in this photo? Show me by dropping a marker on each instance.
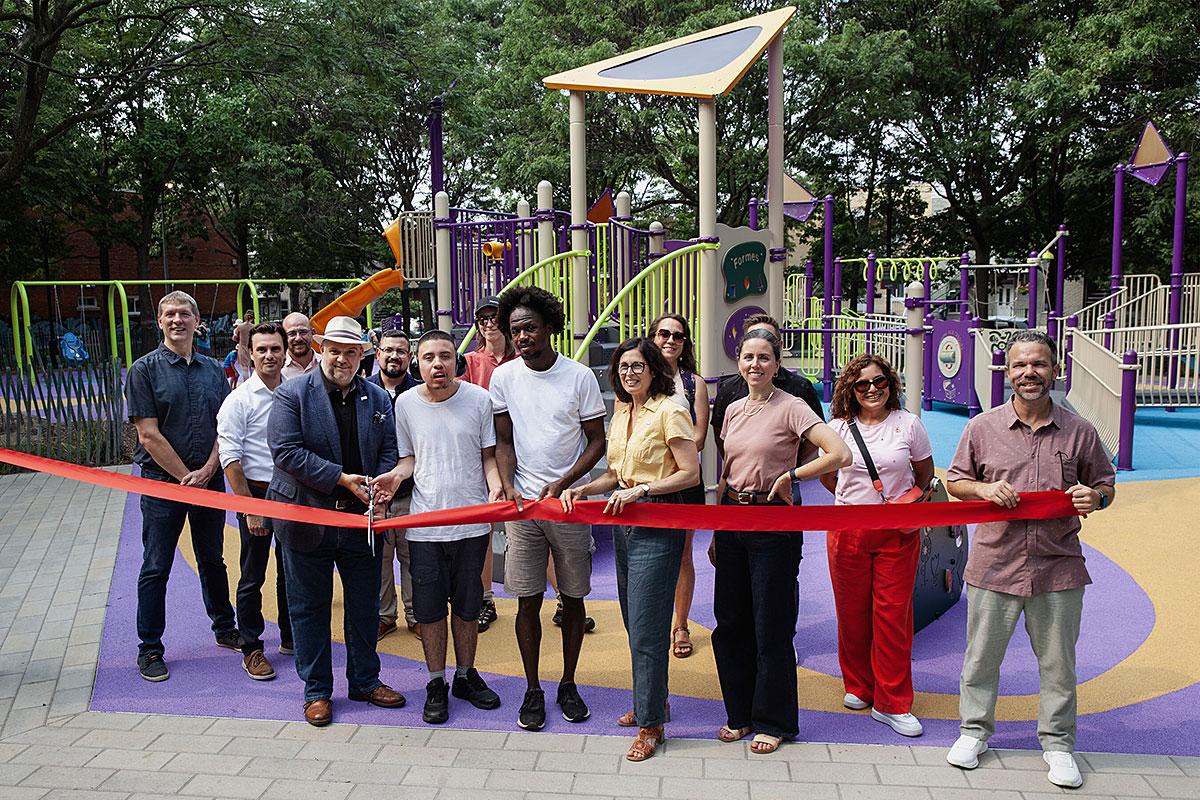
(950, 380)
(745, 258)
(1151, 156)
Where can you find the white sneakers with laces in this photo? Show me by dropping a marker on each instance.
(1063, 770)
(966, 751)
(903, 724)
(854, 702)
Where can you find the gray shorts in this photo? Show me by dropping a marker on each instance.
(530, 545)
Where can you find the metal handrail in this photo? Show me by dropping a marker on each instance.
(628, 289)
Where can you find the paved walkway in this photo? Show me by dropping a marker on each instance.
(58, 544)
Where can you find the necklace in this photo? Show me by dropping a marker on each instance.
(749, 413)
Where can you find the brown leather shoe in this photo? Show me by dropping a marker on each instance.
(382, 695)
(415, 629)
(257, 666)
(319, 713)
(385, 627)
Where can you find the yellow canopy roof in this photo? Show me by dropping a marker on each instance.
(705, 64)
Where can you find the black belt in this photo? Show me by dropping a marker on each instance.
(748, 498)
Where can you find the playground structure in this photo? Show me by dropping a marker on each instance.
(1136, 346)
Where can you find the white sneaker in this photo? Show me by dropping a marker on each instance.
(1063, 771)
(903, 724)
(854, 702)
(966, 751)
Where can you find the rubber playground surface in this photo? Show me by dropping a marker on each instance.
(1139, 676)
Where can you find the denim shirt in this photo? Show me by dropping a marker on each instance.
(183, 396)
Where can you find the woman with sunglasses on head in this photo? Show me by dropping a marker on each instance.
(674, 339)
(651, 459)
(755, 594)
(873, 572)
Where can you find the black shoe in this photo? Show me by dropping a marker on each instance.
(230, 640)
(287, 648)
(152, 667)
(572, 705)
(487, 615)
(437, 707)
(532, 716)
(557, 619)
(589, 624)
(472, 689)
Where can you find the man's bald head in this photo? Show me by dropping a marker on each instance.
(298, 330)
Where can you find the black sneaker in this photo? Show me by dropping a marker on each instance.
(230, 640)
(287, 648)
(487, 615)
(437, 707)
(152, 667)
(532, 716)
(572, 705)
(472, 689)
(589, 624)
(557, 618)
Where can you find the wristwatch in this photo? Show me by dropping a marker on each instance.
(645, 489)
(1103, 500)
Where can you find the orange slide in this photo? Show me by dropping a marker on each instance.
(352, 303)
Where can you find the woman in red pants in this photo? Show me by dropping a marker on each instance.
(873, 571)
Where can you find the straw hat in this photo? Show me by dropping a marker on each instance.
(343, 330)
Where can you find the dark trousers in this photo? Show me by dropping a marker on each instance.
(755, 603)
(310, 601)
(255, 553)
(162, 524)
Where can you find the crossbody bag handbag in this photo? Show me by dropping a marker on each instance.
(914, 495)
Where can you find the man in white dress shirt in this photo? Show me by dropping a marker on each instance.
(301, 358)
(246, 459)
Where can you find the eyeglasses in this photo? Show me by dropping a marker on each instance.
(298, 332)
(393, 351)
(635, 368)
(486, 321)
(663, 333)
(864, 385)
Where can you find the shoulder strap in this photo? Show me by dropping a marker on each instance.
(867, 461)
(689, 389)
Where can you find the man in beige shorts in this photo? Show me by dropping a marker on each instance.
(549, 434)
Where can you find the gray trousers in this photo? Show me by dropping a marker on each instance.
(1052, 621)
(394, 544)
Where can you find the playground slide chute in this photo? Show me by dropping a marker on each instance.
(352, 303)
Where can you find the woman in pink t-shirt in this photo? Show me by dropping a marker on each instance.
(755, 596)
(873, 571)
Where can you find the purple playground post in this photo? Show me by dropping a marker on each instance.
(837, 286)
(1054, 319)
(827, 355)
(927, 385)
(871, 279)
(1110, 322)
(1118, 225)
(964, 286)
(997, 378)
(927, 283)
(1068, 341)
(1128, 408)
(1176, 291)
(808, 287)
(753, 213)
(1032, 316)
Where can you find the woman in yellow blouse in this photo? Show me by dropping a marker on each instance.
(651, 459)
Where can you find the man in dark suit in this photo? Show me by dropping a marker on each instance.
(329, 432)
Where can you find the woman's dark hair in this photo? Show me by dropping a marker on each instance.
(771, 338)
(661, 380)
(687, 358)
(539, 301)
(845, 401)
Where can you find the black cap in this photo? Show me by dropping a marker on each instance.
(491, 301)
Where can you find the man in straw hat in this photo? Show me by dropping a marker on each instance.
(330, 431)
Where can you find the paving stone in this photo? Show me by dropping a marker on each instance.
(306, 732)
(267, 748)
(773, 790)
(496, 759)
(230, 786)
(83, 794)
(285, 768)
(12, 774)
(130, 759)
(24, 793)
(616, 785)
(819, 772)
(7, 751)
(265, 728)
(56, 756)
(467, 739)
(1172, 786)
(550, 743)
(883, 793)
(763, 769)
(354, 772)
(126, 740)
(580, 762)
(705, 789)
(871, 754)
(1189, 764)
(58, 737)
(958, 793)
(610, 745)
(376, 791)
(515, 780)
(663, 766)
(1026, 760)
(198, 763)
(340, 751)
(902, 775)
(94, 720)
(67, 777)
(379, 734)
(186, 742)
(162, 723)
(404, 754)
(450, 777)
(309, 790)
(136, 780)
(1129, 762)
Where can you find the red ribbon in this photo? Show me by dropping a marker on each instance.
(1033, 505)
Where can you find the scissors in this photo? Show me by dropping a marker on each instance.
(371, 515)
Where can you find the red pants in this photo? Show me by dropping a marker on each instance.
(872, 574)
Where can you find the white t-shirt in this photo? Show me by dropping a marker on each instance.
(893, 444)
(547, 411)
(446, 439)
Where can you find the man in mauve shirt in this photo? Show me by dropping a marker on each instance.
(1033, 567)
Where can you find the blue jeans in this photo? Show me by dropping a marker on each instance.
(647, 569)
(162, 524)
(310, 602)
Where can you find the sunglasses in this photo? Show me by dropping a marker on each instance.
(864, 385)
(486, 321)
(663, 333)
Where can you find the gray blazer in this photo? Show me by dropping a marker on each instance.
(303, 436)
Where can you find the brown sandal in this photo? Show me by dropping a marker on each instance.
(629, 720)
(681, 646)
(645, 743)
(764, 743)
(729, 735)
